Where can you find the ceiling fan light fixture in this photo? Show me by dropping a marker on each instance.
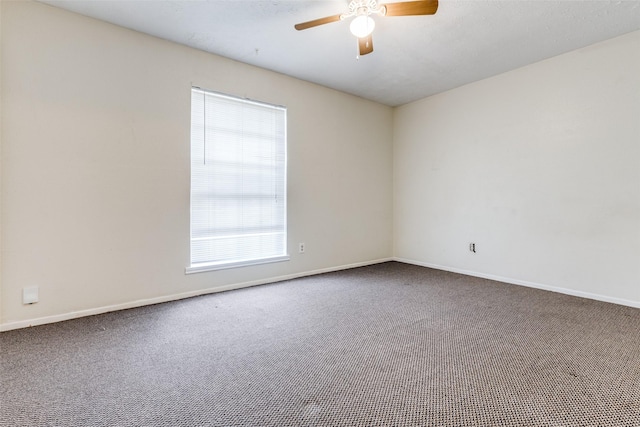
(362, 26)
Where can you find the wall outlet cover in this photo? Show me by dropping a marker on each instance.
(30, 295)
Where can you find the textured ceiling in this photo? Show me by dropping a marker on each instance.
(414, 56)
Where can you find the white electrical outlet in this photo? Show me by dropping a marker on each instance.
(301, 248)
(30, 295)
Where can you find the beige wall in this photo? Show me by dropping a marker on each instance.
(1, 132)
(95, 167)
(540, 167)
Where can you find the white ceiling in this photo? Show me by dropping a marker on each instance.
(414, 56)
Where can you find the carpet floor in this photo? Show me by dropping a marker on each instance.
(385, 345)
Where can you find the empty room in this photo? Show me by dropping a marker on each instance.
(319, 213)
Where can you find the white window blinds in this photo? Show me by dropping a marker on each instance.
(238, 182)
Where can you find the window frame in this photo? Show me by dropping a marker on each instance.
(235, 263)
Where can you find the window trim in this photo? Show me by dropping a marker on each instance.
(222, 265)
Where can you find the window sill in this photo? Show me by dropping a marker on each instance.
(200, 268)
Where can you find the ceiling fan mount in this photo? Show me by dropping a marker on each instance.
(362, 25)
(363, 7)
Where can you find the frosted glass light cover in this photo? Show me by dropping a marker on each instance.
(362, 26)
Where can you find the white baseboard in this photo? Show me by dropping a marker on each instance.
(139, 303)
(174, 297)
(572, 292)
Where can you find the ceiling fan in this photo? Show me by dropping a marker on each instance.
(362, 25)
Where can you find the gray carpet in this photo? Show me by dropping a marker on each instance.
(385, 345)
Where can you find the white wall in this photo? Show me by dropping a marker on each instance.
(1, 127)
(95, 167)
(540, 167)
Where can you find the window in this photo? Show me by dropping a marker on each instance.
(238, 182)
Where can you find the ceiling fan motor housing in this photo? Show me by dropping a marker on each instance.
(363, 7)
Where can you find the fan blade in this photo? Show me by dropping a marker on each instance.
(405, 8)
(365, 45)
(316, 22)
